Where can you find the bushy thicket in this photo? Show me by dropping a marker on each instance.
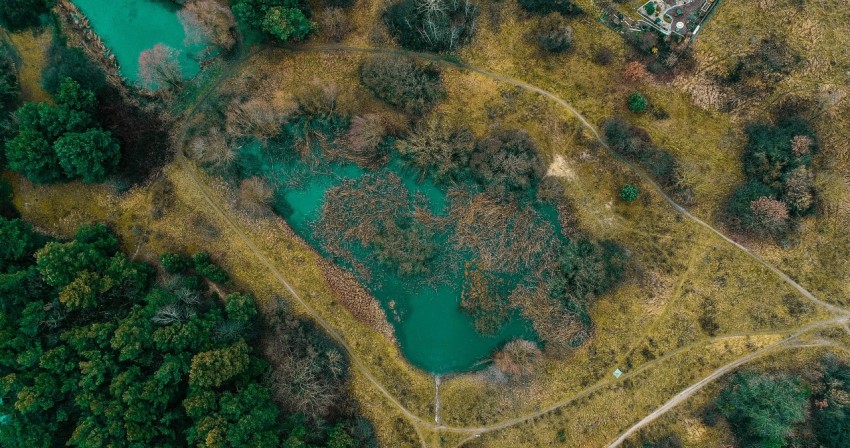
(200, 262)
(62, 142)
(507, 161)
(777, 163)
(769, 62)
(438, 150)
(762, 409)
(282, 19)
(139, 127)
(585, 270)
(19, 14)
(432, 25)
(809, 408)
(97, 355)
(636, 145)
(564, 7)
(554, 34)
(402, 83)
(831, 404)
(70, 62)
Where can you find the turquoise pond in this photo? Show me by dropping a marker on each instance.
(129, 27)
(433, 332)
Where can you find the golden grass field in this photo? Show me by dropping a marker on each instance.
(650, 327)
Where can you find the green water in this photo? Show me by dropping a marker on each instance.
(433, 332)
(129, 27)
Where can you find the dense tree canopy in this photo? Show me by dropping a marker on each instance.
(282, 19)
(62, 142)
(762, 409)
(94, 354)
(9, 98)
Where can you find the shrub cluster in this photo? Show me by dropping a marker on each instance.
(808, 409)
(507, 161)
(19, 14)
(402, 83)
(70, 62)
(777, 163)
(636, 145)
(554, 34)
(432, 25)
(99, 356)
(281, 19)
(62, 142)
(564, 7)
(201, 262)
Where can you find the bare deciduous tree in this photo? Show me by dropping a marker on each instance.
(335, 23)
(208, 21)
(254, 195)
(158, 67)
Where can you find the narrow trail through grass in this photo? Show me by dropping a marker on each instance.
(420, 423)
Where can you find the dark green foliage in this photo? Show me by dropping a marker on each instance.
(19, 14)
(769, 157)
(554, 34)
(62, 142)
(739, 209)
(629, 193)
(282, 19)
(339, 3)
(19, 242)
(241, 307)
(402, 83)
(93, 355)
(204, 266)
(507, 161)
(7, 209)
(637, 102)
(831, 410)
(565, 7)
(587, 269)
(777, 162)
(635, 144)
(286, 23)
(762, 409)
(432, 25)
(9, 99)
(88, 156)
(175, 263)
(70, 62)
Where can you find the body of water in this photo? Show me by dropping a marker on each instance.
(129, 27)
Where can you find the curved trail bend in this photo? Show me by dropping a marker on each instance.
(417, 422)
(563, 103)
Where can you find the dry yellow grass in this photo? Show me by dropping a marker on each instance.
(652, 328)
(31, 47)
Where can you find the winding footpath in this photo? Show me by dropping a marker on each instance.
(420, 423)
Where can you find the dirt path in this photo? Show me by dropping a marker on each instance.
(696, 387)
(563, 103)
(418, 422)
